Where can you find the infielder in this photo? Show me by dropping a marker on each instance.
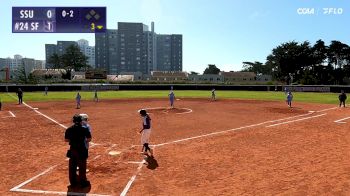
(171, 98)
(95, 96)
(289, 99)
(213, 98)
(77, 99)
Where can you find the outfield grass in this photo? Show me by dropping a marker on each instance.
(331, 98)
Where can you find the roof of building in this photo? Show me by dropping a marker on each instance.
(42, 72)
(169, 74)
(238, 74)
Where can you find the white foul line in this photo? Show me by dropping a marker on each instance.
(12, 114)
(31, 179)
(229, 130)
(327, 109)
(132, 179)
(339, 121)
(65, 127)
(300, 119)
(239, 128)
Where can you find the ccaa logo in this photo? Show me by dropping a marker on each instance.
(306, 11)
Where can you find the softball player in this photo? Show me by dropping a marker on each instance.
(289, 99)
(171, 98)
(95, 96)
(146, 132)
(78, 98)
(213, 98)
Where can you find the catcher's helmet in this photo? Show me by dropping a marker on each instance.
(77, 118)
(143, 112)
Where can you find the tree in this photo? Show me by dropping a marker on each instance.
(73, 59)
(194, 73)
(290, 60)
(21, 74)
(55, 61)
(257, 67)
(211, 69)
(337, 54)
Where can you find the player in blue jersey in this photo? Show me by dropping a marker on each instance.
(77, 99)
(289, 99)
(171, 97)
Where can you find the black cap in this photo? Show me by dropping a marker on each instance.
(77, 119)
(143, 112)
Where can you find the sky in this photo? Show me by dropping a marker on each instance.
(221, 32)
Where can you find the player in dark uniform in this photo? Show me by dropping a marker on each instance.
(20, 95)
(342, 97)
(77, 135)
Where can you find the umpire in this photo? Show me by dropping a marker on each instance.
(342, 97)
(76, 135)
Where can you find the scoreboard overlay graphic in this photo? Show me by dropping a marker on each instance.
(58, 19)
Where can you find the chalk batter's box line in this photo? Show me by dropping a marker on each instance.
(19, 189)
(11, 115)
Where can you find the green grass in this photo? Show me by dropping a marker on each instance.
(330, 98)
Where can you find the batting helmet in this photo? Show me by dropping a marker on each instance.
(77, 118)
(143, 112)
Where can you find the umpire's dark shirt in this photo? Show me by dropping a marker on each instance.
(77, 135)
(342, 97)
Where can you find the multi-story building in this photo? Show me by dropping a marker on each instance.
(132, 53)
(106, 50)
(39, 64)
(50, 49)
(135, 49)
(169, 52)
(88, 51)
(63, 45)
(3, 63)
(176, 52)
(60, 49)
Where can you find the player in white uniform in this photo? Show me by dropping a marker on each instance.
(146, 132)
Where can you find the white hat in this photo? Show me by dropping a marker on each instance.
(84, 116)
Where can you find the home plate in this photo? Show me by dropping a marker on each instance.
(177, 99)
(114, 153)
